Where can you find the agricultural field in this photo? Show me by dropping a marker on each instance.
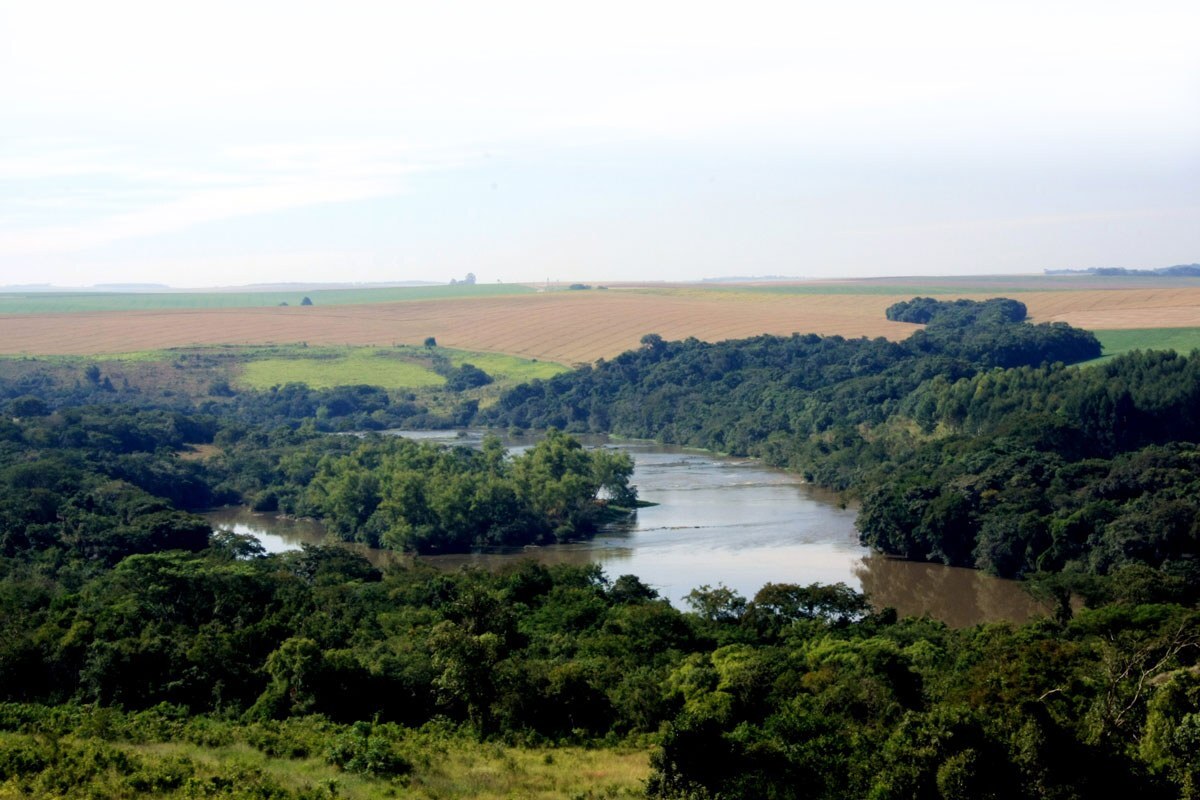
(74, 302)
(1116, 342)
(391, 368)
(200, 371)
(352, 366)
(574, 327)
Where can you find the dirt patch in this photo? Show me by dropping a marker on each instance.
(199, 452)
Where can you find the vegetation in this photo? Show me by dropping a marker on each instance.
(333, 388)
(1119, 342)
(396, 493)
(342, 367)
(103, 485)
(243, 675)
(774, 396)
(970, 443)
(96, 751)
(260, 368)
(142, 654)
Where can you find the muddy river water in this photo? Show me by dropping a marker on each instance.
(721, 520)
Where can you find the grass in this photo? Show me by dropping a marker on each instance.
(505, 367)
(60, 302)
(443, 767)
(1116, 342)
(493, 771)
(140, 356)
(406, 368)
(391, 368)
(359, 365)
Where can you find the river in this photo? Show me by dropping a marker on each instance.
(727, 521)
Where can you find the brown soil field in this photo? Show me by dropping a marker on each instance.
(1118, 309)
(567, 327)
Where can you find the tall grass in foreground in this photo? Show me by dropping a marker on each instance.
(87, 752)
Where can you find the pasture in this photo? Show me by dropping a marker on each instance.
(579, 327)
(391, 368)
(363, 365)
(1116, 342)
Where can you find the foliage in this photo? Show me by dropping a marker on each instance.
(408, 496)
(142, 656)
(467, 376)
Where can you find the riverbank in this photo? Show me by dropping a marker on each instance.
(718, 520)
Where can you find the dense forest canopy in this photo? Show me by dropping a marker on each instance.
(68, 476)
(799, 692)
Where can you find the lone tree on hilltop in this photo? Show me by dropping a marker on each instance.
(307, 301)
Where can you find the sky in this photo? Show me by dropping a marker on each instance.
(227, 143)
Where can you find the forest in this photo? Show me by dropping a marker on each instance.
(143, 654)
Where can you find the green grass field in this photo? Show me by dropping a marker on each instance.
(442, 767)
(1181, 340)
(133, 357)
(357, 366)
(391, 368)
(59, 302)
(506, 368)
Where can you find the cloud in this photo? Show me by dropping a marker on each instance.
(151, 197)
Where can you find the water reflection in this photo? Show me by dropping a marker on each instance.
(956, 596)
(719, 521)
(281, 534)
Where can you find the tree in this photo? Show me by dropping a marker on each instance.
(468, 376)
(470, 279)
(430, 342)
(307, 301)
(28, 406)
(295, 669)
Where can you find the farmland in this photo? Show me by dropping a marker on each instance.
(391, 368)
(580, 327)
(355, 366)
(1116, 342)
(73, 302)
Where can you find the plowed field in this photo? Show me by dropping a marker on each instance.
(567, 327)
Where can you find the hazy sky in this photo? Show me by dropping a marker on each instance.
(210, 143)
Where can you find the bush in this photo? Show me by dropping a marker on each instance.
(369, 750)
